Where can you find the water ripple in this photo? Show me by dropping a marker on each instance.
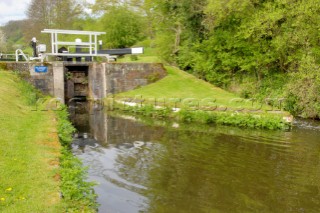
(144, 168)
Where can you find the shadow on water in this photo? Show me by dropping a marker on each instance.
(149, 166)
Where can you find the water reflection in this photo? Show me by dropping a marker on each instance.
(185, 168)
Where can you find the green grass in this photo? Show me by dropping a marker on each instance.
(145, 59)
(179, 86)
(200, 101)
(29, 149)
(149, 56)
(185, 89)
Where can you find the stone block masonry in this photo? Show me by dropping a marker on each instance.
(42, 81)
(103, 78)
(121, 77)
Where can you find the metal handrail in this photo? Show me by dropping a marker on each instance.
(21, 53)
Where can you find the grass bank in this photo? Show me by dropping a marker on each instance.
(149, 56)
(35, 169)
(30, 151)
(78, 194)
(183, 88)
(199, 101)
(247, 120)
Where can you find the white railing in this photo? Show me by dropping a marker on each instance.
(20, 52)
(91, 43)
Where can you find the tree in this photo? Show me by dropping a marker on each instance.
(250, 38)
(176, 24)
(43, 14)
(14, 34)
(302, 92)
(66, 13)
(102, 6)
(123, 27)
(3, 43)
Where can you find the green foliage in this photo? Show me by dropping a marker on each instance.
(28, 144)
(57, 14)
(123, 27)
(134, 57)
(30, 94)
(154, 77)
(13, 31)
(77, 193)
(180, 89)
(177, 22)
(3, 41)
(271, 86)
(247, 120)
(165, 45)
(263, 39)
(219, 41)
(303, 90)
(65, 128)
(3, 66)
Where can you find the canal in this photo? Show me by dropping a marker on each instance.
(157, 166)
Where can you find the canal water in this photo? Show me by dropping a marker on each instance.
(163, 167)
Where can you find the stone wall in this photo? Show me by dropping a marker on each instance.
(97, 81)
(103, 78)
(121, 77)
(21, 67)
(42, 81)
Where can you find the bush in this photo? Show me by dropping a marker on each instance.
(303, 90)
(65, 128)
(248, 120)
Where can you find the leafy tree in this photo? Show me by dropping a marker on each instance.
(252, 37)
(14, 34)
(178, 23)
(303, 90)
(66, 13)
(123, 27)
(102, 6)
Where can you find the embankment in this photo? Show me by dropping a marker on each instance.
(36, 175)
(183, 97)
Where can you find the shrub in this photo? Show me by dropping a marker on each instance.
(258, 121)
(303, 90)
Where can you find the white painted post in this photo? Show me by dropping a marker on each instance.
(90, 41)
(52, 43)
(96, 44)
(56, 42)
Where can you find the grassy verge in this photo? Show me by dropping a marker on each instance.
(35, 169)
(30, 151)
(184, 89)
(202, 102)
(149, 56)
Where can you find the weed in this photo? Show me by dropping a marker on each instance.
(248, 120)
(134, 57)
(78, 194)
(153, 77)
